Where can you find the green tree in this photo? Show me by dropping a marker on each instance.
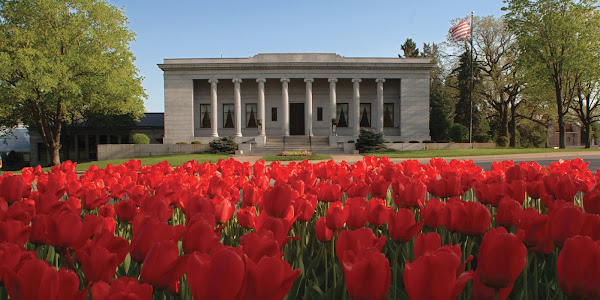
(409, 48)
(60, 60)
(556, 39)
(440, 102)
(501, 81)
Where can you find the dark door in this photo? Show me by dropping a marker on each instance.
(296, 118)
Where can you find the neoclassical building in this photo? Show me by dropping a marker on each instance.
(283, 94)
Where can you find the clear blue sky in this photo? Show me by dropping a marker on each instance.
(236, 28)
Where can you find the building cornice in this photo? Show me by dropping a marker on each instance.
(294, 66)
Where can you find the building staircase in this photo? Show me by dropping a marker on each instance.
(314, 144)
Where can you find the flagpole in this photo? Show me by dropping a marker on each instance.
(472, 86)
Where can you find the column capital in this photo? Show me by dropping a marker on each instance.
(263, 80)
(308, 79)
(284, 79)
(380, 80)
(236, 80)
(356, 80)
(332, 79)
(213, 80)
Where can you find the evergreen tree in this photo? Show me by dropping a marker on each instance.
(410, 49)
(440, 102)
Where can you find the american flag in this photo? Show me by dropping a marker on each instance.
(461, 31)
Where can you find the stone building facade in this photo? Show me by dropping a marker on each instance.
(317, 94)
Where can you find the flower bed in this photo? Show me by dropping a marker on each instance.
(296, 153)
(232, 230)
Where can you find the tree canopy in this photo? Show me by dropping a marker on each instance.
(61, 60)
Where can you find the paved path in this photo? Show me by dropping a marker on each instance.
(484, 161)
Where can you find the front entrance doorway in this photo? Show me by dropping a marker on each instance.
(296, 118)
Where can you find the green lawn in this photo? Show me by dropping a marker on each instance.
(275, 157)
(468, 152)
(174, 160)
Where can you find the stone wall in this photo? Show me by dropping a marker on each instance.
(123, 151)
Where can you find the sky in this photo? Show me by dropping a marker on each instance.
(236, 28)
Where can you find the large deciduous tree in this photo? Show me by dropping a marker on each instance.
(497, 54)
(554, 38)
(62, 59)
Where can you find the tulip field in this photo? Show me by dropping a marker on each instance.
(370, 230)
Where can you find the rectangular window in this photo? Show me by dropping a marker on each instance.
(93, 147)
(251, 121)
(103, 140)
(274, 114)
(124, 139)
(205, 116)
(388, 115)
(228, 115)
(42, 154)
(365, 115)
(342, 114)
(114, 139)
(319, 114)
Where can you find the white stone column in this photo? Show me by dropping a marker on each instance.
(379, 107)
(356, 107)
(285, 105)
(213, 107)
(261, 104)
(332, 102)
(237, 106)
(308, 107)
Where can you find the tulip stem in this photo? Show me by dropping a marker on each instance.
(535, 276)
(326, 268)
(525, 271)
(333, 262)
(496, 293)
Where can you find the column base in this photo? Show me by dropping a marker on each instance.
(214, 135)
(238, 135)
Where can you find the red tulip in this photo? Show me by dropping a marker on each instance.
(13, 231)
(379, 187)
(107, 211)
(278, 200)
(447, 275)
(565, 221)
(216, 276)
(271, 278)
(377, 212)
(509, 213)
(22, 211)
(224, 209)
(250, 196)
(122, 288)
(356, 212)
(101, 256)
(327, 192)
(358, 189)
(410, 193)
(591, 226)
(367, 274)
(591, 201)
(304, 207)
(516, 190)
(426, 242)
(259, 244)
(357, 241)
(200, 236)
(448, 185)
(470, 218)
(324, 234)
(245, 217)
(490, 193)
(502, 257)
(483, 292)
(402, 226)
(125, 210)
(12, 257)
(578, 268)
(12, 188)
(537, 237)
(162, 267)
(37, 280)
(336, 216)
(433, 213)
(147, 231)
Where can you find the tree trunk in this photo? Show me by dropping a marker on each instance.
(513, 126)
(55, 153)
(561, 117)
(504, 121)
(587, 134)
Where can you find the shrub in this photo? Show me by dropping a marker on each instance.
(413, 142)
(370, 141)
(459, 133)
(502, 141)
(223, 145)
(196, 143)
(140, 138)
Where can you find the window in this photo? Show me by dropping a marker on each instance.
(103, 139)
(274, 114)
(114, 139)
(42, 153)
(124, 139)
(388, 115)
(228, 116)
(319, 114)
(251, 115)
(342, 114)
(205, 116)
(365, 115)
